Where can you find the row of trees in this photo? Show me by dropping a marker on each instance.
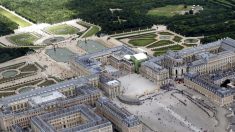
(12, 53)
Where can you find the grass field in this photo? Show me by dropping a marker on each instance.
(160, 43)
(14, 18)
(141, 41)
(165, 33)
(149, 35)
(92, 31)
(161, 51)
(24, 39)
(62, 29)
(177, 39)
(167, 11)
(191, 41)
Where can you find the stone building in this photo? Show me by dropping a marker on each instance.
(123, 120)
(203, 59)
(94, 63)
(110, 86)
(17, 110)
(219, 95)
(155, 72)
(76, 118)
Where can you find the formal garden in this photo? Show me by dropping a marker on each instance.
(23, 39)
(18, 71)
(23, 71)
(161, 51)
(158, 42)
(26, 86)
(62, 29)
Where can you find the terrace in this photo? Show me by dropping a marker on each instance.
(91, 46)
(60, 54)
(62, 29)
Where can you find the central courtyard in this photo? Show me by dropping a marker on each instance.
(134, 85)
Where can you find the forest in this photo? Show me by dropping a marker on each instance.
(216, 21)
(6, 26)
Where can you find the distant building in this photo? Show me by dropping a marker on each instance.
(123, 120)
(73, 119)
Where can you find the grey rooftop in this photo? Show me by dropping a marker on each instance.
(200, 80)
(94, 121)
(90, 63)
(226, 44)
(154, 64)
(126, 117)
(55, 87)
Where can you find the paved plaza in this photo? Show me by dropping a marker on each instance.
(134, 85)
(163, 112)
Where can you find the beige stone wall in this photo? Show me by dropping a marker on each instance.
(213, 97)
(104, 129)
(212, 66)
(137, 128)
(159, 78)
(24, 119)
(78, 70)
(110, 91)
(118, 123)
(68, 121)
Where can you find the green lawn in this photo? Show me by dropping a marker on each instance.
(14, 18)
(177, 39)
(144, 36)
(160, 43)
(129, 33)
(191, 41)
(84, 24)
(24, 39)
(62, 29)
(141, 42)
(92, 31)
(161, 51)
(29, 67)
(165, 33)
(167, 11)
(158, 53)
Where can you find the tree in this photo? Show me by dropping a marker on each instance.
(191, 11)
